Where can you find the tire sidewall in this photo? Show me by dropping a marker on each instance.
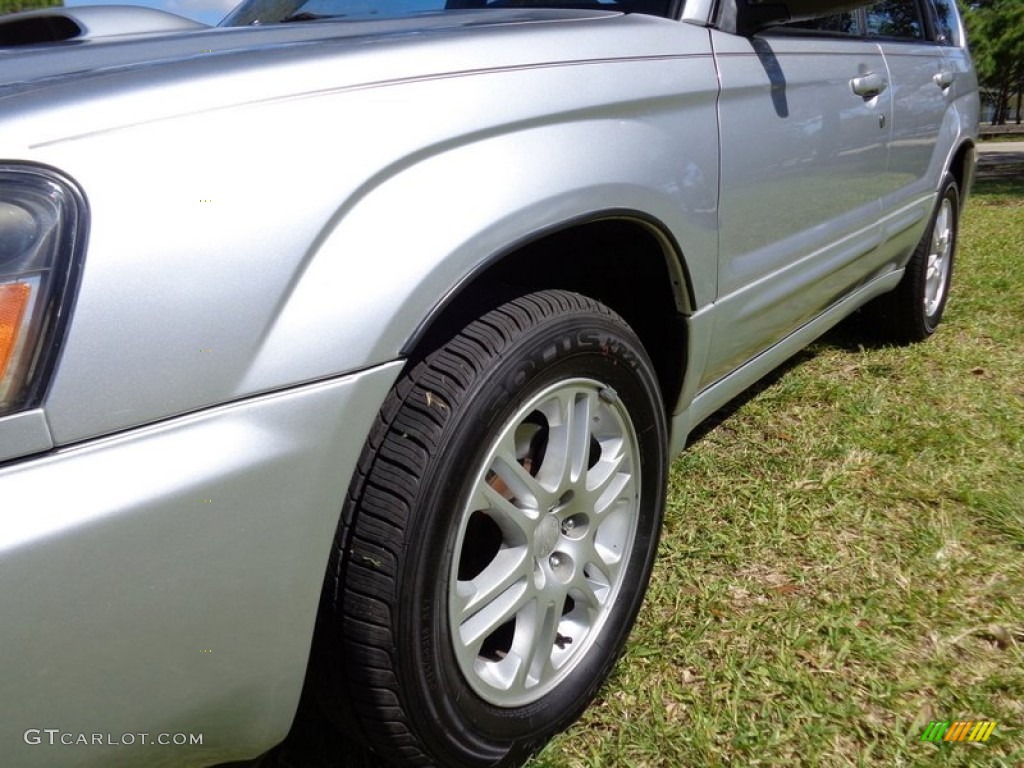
(949, 191)
(587, 345)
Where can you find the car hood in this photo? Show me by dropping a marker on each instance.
(81, 86)
(113, 39)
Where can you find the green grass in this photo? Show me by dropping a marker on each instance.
(1004, 137)
(842, 556)
(841, 561)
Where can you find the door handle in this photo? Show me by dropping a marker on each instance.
(944, 79)
(869, 85)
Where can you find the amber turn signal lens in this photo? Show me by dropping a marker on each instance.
(14, 297)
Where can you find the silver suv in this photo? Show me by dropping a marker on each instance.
(353, 339)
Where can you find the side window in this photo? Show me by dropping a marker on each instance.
(896, 19)
(947, 26)
(836, 24)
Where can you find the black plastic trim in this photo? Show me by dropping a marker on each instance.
(74, 232)
(684, 294)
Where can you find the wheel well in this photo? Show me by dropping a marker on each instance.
(621, 262)
(962, 168)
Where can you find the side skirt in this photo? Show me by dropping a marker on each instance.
(714, 396)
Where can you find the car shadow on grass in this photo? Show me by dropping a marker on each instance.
(851, 335)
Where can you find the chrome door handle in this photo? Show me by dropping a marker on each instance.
(869, 85)
(943, 79)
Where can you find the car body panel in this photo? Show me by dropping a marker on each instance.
(302, 295)
(930, 124)
(24, 433)
(794, 132)
(959, 130)
(182, 567)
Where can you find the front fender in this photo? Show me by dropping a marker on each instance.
(396, 254)
(296, 239)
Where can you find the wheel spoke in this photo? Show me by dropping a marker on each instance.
(568, 446)
(580, 412)
(535, 644)
(607, 482)
(590, 555)
(587, 553)
(510, 567)
(492, 614)
(937, 268)
(517, 480)
(516, 523)
(942, 230)
(592, 586)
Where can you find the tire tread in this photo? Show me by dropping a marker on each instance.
(898, 316)
(362, 589)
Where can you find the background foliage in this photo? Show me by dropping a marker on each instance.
(995, 29)
(13, 6)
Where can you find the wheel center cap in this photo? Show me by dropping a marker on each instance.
(545, 537)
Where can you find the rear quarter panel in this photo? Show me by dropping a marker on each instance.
(930, 125)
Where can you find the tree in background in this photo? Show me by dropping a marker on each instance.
(13, 6)
(995, 29)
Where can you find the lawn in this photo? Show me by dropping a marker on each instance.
(841, 560)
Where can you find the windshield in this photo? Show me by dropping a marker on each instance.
(276, 11)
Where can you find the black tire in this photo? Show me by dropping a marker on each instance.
(912, 311)
(397, 657)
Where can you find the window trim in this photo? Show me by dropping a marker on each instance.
(925, 11)
(923, 17)
(932, 20)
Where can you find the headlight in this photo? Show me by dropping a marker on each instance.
(42, 234)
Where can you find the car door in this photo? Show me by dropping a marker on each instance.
(804, 116)
(921, 79)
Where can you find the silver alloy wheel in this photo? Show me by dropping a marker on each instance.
(939, 258)
(544, 542)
